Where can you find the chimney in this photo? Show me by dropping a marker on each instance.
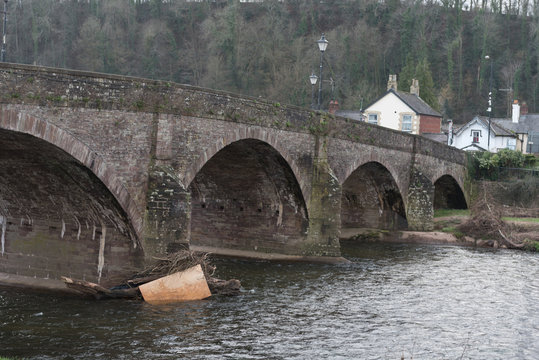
(392, 83)
(414, 89)
(333, 106)
(524, 108)
(515, 115)
(449, 132)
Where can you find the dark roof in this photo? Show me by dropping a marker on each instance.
(416, 103)
(439, 137)
(526, 124)
(496, 129)
(474, 146)
(351, 114)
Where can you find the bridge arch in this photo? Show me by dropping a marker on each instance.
(21, 122)
(246, 198)
(269, 137)
(380, 158)
(371, 198)
(448, 193)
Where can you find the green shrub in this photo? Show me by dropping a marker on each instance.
(484, 165)
(510, 158)
(530, 161)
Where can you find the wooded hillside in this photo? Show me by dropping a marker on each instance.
(268, 49)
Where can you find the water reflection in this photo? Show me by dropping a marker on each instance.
(429, 302)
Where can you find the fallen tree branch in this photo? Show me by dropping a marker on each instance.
(99, 292)
(509, 241)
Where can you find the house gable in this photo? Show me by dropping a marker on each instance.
(474, 136)
(474, 123)
(390, 110)
(405, 112)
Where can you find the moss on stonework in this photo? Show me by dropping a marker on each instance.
(324, 208)
(44, 244)
(419, 210)
(317, 249)
(166, 223)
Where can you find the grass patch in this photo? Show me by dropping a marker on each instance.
(453, 230)
(531, 245)
(449, 229)
(451, 212)
(531, 220)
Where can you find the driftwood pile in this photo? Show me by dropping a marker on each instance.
(176, 262)
(486, 223)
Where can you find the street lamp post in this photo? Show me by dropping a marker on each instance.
(313, 78)
(322, 45)
(3, 56)
(489, 109)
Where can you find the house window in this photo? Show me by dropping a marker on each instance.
(373, 119)
(407, 123)
(511, 143)
(475, 136)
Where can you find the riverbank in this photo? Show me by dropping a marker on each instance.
(447, 231)
(405, 237)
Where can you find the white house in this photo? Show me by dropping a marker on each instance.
(403, 111)
(520, 132)
(525, 126)
(474, 135)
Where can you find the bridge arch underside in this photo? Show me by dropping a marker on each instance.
(371, 199)
(448, 194)
(57, 218)
(247, 199)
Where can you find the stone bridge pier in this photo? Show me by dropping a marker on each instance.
(101, 173)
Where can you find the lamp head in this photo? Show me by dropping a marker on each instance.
(322, 43)
(313, 78)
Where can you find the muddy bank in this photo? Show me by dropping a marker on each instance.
(414, 237)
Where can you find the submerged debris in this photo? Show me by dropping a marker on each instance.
(98, 292)
(171, 264)
(181, 286)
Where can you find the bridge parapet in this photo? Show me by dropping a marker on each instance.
(52, 87)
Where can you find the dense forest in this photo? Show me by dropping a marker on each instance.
(268, 48)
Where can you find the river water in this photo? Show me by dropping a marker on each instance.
(425, 302)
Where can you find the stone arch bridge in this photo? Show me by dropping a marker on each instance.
(100, 172)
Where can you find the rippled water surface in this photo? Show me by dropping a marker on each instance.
(429, 302)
